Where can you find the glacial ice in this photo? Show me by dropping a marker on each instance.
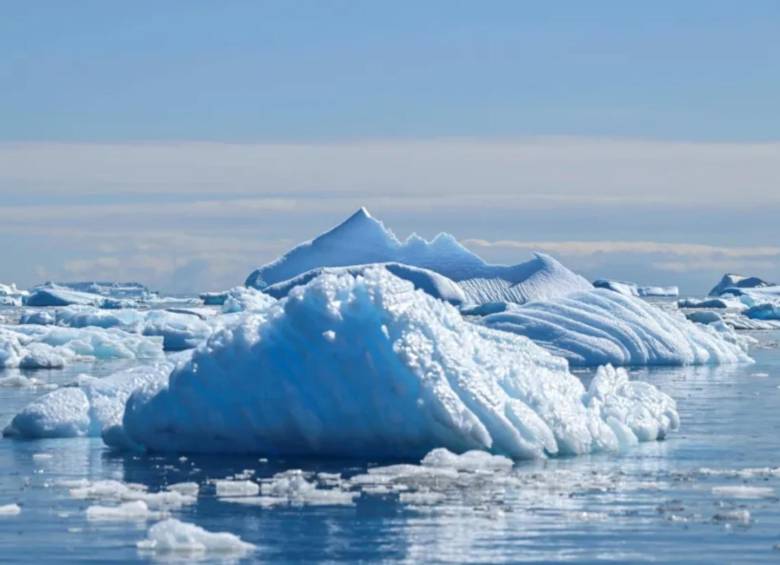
(368, 365)
(717, 303)
(33, 347)
(767, 311)
(632, 289)
(10, 509)
(428, 281)
(110, 289)
(86, 409)
(601, 327)
(362, 240)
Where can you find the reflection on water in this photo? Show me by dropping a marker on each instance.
(655, 503)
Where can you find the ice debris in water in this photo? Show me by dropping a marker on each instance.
(86, 409)
(10, 509)
(174, 536)
(136, 510)
(741, 517)
(226, 487)
(743, 491)
(129, 492)
(631, 289)
(599, 327)
(362, 239)
(404, 373)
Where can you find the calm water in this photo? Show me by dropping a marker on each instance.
(654, 503)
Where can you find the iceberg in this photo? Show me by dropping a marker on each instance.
(55, 295)
(86, 409)
(600, 327)
(34, 347)
(213, 298)
(367, 365)
(768, 311)
(429, 282)
(362, 240)
(631, 289)
(732, 282)
(172, 536)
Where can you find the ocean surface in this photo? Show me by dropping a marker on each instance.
(708, 493)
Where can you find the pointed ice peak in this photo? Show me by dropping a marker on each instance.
(366, 226)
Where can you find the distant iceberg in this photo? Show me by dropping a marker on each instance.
(362, 240)
(53, 295)
(599, 327)
(632, 289)
(120, 290)
(732, 283)
(365, 364)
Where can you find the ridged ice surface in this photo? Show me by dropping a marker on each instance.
(600, 326)
(366, 365)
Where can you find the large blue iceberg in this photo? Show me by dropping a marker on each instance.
(364, 364)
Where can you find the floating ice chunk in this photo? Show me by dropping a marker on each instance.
(717, 303)
(188, 488)
(119, 491)
(56, 295)
(704, 317)
(405, 374)
(213, 298)
(745, 473)
(179, 330)
(743, 491)
(226, 487)
(428, 281)
(769, 311)
(38, 457)
(292, 487)
(10, 509)
(741, 517)
(133, 511)
(362, 240)
(469, 461)
(87, 409)
(632, 289)
(34, 347)
(20, 381)
(600, 327)
(173, 536)
(120, 290)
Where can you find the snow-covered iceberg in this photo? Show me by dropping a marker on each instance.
(732, 283)
(632, 289)
(599, 327)
(86, 409)
(362, 240)
(33, 347)
(111, 289)
(430, 282)
(368, 365)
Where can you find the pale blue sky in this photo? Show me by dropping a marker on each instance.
(182, 143)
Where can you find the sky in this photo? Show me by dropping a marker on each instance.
(182, 144)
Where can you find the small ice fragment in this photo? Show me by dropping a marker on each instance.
(733, 516)
(189, 488)
(227, 487)
(128, 511)
(10, 510)
(743, 491)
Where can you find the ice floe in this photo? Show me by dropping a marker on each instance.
(367, 365)
(12, 296)
(732, 283)
(632, 289)
(362, 239)
(56, 295)
(600, 327)
(136, 510)
(10, 509)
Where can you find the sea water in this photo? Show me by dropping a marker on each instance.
(708, 493)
